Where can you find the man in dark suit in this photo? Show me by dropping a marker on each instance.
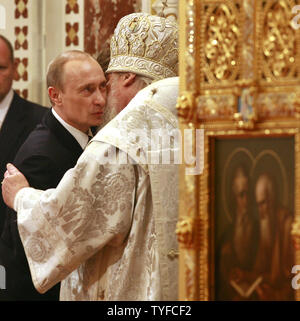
(77, 90)
(18, 117)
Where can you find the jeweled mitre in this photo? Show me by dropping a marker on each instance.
(146, 45)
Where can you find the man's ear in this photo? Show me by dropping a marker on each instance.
(54, 95)
(128, 78)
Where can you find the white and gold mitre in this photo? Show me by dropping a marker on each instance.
(146, 45)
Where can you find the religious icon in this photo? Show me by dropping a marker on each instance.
(253, 218)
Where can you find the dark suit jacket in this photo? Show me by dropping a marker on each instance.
(49, 151)
(21, 118)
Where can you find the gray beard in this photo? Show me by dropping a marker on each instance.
(108, 115)
(111, 107)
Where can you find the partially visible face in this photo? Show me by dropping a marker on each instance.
(116, 97)
(7, 70)
(83, 97)
(120, 90)
(112, 102)
(262, 200)
(241, 193)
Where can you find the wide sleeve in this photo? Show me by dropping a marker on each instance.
(91, 207)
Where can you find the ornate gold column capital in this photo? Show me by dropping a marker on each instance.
(186, 106)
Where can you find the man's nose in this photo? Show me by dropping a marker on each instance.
(100, 98)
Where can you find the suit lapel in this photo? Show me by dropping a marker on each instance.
(62, 134)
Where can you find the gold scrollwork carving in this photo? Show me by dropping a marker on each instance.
(222, 41)
(279, 40)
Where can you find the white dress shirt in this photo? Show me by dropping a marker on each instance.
(4, 105)
(81, 137)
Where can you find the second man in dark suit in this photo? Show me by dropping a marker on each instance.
(18, 117)
(77, 90)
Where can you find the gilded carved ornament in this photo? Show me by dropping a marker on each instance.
(279, 41)
(186, 106)
(240, 55)
(221, 42)
(185, 231)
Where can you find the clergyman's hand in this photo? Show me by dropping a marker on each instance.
(13, 181)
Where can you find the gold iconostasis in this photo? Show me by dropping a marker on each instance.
(239, 221)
